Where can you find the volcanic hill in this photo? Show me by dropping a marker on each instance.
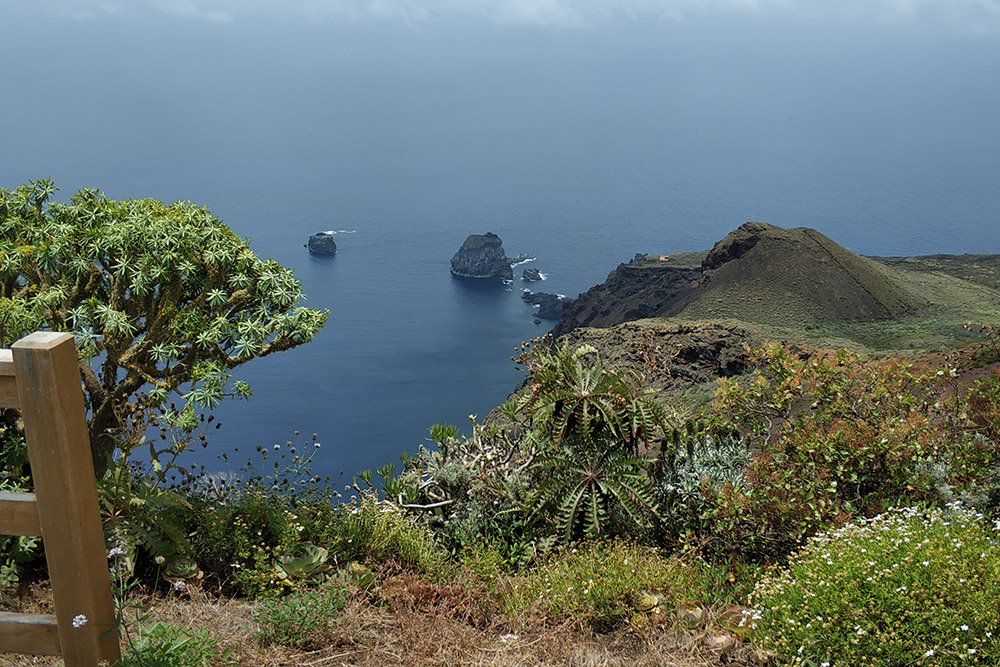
(799, 284)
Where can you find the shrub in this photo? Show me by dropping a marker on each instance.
(693, 473)
(241, 525)
(374, 530)
(596, 584)
(164, 645)
(904, 588)
(298, 620)
(834, 438)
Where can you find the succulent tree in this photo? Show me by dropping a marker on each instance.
(161, 297)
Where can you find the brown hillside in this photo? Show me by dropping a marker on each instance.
(762, 273)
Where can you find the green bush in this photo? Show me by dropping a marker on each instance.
(904, 588)
(376, 531)
(693, 473)
(298, 620)
(834, 438)
(241, 524)
(164, 645)
(597, 584)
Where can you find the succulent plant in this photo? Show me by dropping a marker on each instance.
(306, 564)
(182, 569)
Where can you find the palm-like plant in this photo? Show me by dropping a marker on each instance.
(583, 487)
(589, 423)
(572, 395)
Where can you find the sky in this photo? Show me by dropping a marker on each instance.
(961, 16)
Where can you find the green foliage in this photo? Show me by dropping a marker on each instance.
(571, 396)
(18, 555)
(242, 524)
(834, 438)
(306, 564)
(139, 515)
(588, 423)
(471, 490)
(694, 470)
(299, 619)
(158, 295)
(594, 493)
(165, 645)
(239, 539)
(905, 588)
(596, 584)
(376, 531)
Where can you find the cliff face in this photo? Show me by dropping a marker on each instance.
(631, 292)
(482, 256)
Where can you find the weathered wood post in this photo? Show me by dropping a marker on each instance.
(41, 376)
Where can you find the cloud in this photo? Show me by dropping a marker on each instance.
(976, 15)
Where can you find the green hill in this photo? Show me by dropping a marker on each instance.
(793, 277)
(797, 284)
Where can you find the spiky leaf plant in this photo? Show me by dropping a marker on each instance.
(571, 395)
(590, 492)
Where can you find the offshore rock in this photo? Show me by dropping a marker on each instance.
(531, 275)
(322, 244)
(550, 306)
(482, 256)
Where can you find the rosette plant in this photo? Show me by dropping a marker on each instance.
(591, 426)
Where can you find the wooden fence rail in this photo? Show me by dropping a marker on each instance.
(40, 375)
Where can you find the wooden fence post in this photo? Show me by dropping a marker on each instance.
(47, 377)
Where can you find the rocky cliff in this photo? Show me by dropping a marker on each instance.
(640, 289)
(482, 256)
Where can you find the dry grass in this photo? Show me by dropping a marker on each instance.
(370, 635)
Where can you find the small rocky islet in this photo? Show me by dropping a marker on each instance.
(322, 243)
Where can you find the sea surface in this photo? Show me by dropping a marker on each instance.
(580, 148)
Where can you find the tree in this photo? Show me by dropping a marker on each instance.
(162, 298)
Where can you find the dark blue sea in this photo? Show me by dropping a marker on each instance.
(580, 147)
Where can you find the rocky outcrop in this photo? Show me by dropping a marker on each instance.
(531, 275)
(632, 292)
(482, 256)
(550, 306)
(322, 244)
(672, 356)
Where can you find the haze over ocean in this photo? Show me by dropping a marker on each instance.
(579, 136)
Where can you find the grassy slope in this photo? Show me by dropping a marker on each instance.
(799, 285)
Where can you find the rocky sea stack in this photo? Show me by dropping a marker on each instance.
(322, 244)
(482, 256)
(531, 275)
(550, 306)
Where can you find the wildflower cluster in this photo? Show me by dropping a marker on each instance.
(907, 587)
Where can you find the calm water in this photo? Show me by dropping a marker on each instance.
(578, 147)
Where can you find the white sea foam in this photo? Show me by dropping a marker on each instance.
(332, 232)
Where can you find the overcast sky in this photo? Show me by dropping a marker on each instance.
(973, 16)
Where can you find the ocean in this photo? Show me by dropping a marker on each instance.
(578, 147)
